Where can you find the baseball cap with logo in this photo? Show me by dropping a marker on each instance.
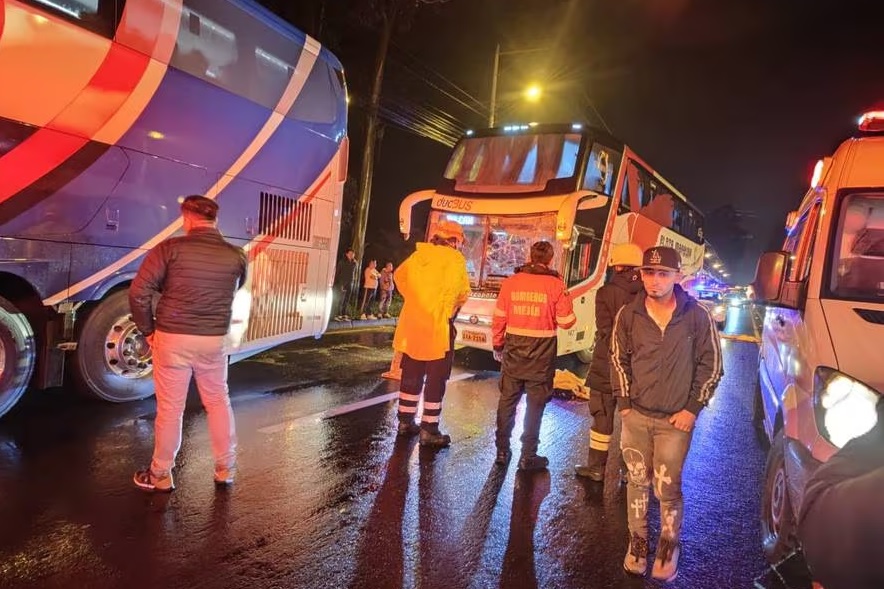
(661, 258)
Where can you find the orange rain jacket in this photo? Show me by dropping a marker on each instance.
(434, 282)
(531, 305)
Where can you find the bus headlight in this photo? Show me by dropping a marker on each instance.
(845, 408)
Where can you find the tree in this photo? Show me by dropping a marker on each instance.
(390, 17)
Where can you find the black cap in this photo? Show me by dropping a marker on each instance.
(661, 258)
(200, 206)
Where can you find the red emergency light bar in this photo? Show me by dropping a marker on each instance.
(872, 121)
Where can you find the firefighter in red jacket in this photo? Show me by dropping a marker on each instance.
(531, 305)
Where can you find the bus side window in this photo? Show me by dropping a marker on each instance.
(601, 169)
(98, 16)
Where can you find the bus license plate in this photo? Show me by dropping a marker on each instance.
(473, 336)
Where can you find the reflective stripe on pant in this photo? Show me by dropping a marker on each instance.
(537, 393)
(654, 452)
(429, 376)
(602, 407)
(177, 357)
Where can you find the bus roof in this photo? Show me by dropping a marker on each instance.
(544, 128)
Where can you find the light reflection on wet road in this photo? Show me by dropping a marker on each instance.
(340, 502)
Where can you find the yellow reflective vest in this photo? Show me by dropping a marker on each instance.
(434, 283)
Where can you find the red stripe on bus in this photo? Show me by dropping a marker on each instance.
(50, 147)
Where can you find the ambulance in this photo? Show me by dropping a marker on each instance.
(821, 368)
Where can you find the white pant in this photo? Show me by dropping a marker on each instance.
(175, 358)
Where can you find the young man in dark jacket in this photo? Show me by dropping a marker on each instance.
(531, 306)
(196, 277)
(346, 284)
(625, 283)
(666, 363)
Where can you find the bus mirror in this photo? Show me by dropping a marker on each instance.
(769, 276)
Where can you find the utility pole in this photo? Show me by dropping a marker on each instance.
(493, 109)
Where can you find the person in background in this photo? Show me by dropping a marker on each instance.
(345, 284)
(624, 284)
(386, 289)
(196, 277)
(369, 290)
(531, 306)
(434, 283)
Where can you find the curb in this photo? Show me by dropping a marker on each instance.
(338, 326)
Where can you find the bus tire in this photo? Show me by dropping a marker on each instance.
(113, 361)
(585, 356)
(17, 355)
(778, 523)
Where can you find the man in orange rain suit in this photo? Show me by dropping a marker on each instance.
(531, 305)
(434, 283)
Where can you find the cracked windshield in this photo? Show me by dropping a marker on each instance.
(495, 245)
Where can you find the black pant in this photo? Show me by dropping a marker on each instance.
(346, 295)
(602, 407)
(429, 376)
(538, 393)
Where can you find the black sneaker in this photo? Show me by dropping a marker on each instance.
(434, 440)
(147, 481)
(593, 473)
(408, 428)
(503, 457)
(533, 462)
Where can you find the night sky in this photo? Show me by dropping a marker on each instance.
(732, 101)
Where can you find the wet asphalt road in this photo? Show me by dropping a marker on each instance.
(328, 497)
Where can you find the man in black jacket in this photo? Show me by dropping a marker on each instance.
(195, 276)
(665, 365)
(625, 283)
(346, 283)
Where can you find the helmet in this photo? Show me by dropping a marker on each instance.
(447, 229)
(626, 254)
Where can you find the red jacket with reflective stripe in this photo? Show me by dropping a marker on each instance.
(532, 303)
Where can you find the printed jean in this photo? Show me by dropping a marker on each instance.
(654, 452)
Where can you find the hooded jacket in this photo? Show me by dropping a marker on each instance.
(531, 306)
(619, 291)
(659, 373)
(434, 283)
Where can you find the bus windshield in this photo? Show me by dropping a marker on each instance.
(513, 163)
(495, 245)
(858, 264)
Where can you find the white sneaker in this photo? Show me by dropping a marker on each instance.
(363, 317)
(372, 317)
(636, 561)
(666, 564)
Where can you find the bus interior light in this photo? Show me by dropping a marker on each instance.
(470, 132)
(576, 126)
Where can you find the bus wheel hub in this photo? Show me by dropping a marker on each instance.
(126, 351)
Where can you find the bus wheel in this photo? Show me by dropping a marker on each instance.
(584, 356)
(777, 518)
(17, 355)
(113, 361)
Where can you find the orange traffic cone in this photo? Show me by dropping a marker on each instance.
(395, 372)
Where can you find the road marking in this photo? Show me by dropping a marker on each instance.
(349, 408)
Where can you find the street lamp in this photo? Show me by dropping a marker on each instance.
(537, 91)
(533, 93)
